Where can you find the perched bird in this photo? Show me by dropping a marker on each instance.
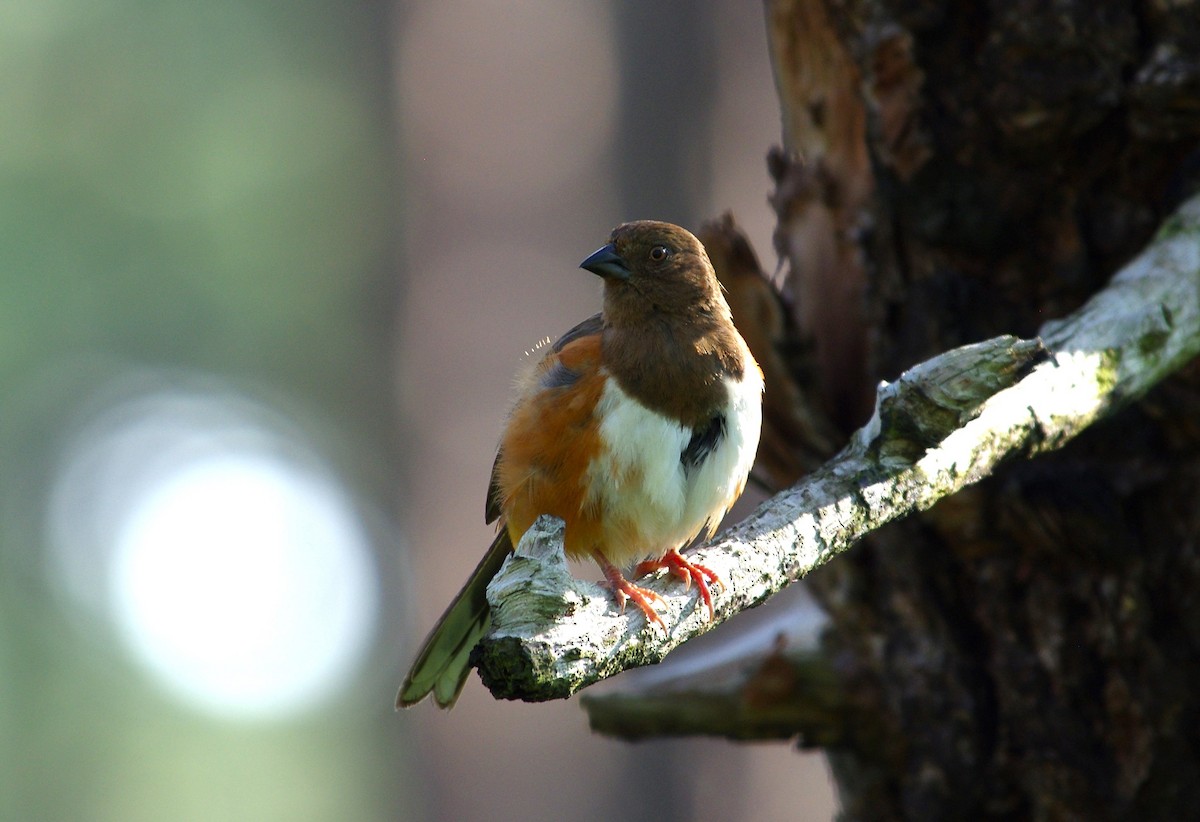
(637, 428)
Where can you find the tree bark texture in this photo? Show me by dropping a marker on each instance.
(950, 172)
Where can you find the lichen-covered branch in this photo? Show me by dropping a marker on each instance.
(942, 425)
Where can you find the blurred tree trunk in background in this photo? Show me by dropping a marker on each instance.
(1029, 648)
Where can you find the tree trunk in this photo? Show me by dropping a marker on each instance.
(1030, 647)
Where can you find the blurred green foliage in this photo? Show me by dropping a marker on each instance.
(207, 188)
(201, 184)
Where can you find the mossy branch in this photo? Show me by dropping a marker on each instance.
(944, 424)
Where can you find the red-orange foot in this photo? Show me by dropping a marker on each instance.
(678, 565)
(623, 590)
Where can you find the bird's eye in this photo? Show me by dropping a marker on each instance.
(659, 253)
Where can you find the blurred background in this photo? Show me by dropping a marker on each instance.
(266, 270)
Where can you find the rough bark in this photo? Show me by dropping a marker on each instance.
(1029, 644)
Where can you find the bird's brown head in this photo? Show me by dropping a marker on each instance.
(655, 270)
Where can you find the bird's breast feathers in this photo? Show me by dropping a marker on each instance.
(656, 482)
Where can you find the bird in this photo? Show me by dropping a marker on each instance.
(638, 428)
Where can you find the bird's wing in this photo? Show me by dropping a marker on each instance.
(592, 325)
(545, 377)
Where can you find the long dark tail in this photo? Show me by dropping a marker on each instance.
(443, 663)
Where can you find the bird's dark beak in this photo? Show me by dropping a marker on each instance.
(607, 263)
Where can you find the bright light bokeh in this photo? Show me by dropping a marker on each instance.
(243, 585)
(229, 560)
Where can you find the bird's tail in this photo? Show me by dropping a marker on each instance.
(443, 662)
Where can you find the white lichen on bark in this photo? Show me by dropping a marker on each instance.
(942, 425)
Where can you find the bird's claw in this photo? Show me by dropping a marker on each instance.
(623, 590)
(686, 570)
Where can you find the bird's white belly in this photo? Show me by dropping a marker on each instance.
(647, 500)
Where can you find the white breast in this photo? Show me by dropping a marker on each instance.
(648, 502)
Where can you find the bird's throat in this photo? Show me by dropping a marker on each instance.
(676, 369)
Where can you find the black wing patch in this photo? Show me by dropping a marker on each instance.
(703, 442)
